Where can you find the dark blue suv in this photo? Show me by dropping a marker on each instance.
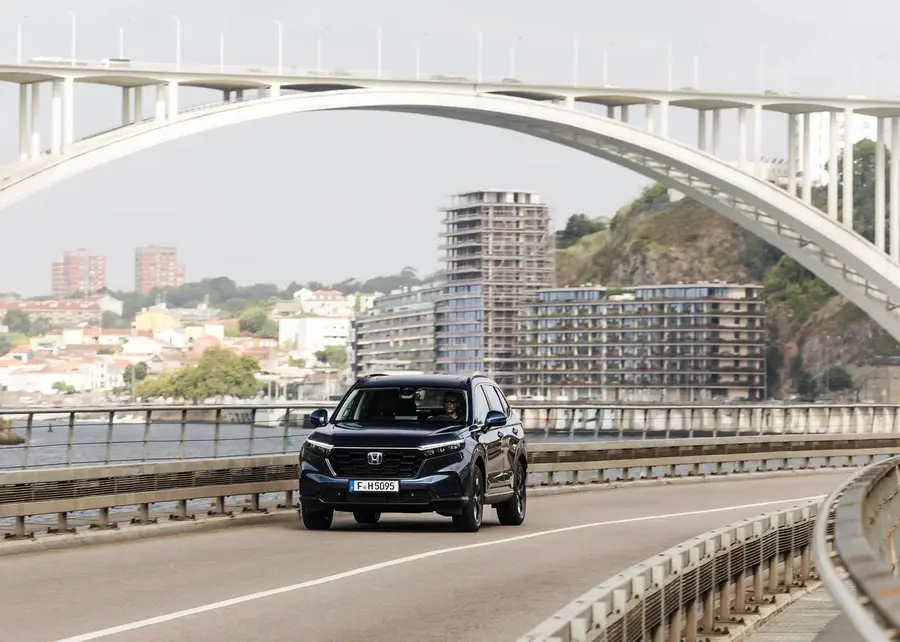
(415, 444)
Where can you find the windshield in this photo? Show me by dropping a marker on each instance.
(406, 404)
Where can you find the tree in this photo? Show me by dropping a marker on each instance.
(138, 372)
(17, 321)
(334, 356)
(63, 388)
(254, 319)
(111, 320)
(578, 226)
(837, 378)
(219, 373)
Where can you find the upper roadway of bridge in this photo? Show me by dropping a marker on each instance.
(236, 78)
(405, 578)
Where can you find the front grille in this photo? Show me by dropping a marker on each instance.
(395, 464)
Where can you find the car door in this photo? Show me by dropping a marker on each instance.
(490, 439)
(495, 402)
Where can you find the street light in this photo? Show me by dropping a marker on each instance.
(74, 34)
(575, 62)
(177, 42)
(280, 28)
(378, 31)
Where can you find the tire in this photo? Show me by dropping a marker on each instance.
(470, 520)
(512, 511)
(367, 516)
(316, 520)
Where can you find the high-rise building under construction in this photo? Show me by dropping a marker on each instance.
(498, 251)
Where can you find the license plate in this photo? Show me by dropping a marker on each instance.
(374, 486)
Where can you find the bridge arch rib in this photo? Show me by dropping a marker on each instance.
(842, 258)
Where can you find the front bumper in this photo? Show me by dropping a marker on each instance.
(436, 493)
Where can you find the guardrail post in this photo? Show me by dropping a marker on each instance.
(70, 438)
(109, 437)
(725, 583)
(217, 432)
(252, 429)
(690, 621)
(148, 419)
(740, 583)
(29, 426)
(182, 433)
(759, 595)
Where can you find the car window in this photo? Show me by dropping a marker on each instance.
(480, 405)
(492, 398)
(403, 404)
(506, 409)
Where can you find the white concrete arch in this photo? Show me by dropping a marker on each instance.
(844, 259)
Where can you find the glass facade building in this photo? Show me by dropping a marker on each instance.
(397, 333)
(498, 251)
(665, 343)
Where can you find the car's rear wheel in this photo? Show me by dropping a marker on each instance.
(367, 516)
(316, 519)
(470, 520)
(512, 511)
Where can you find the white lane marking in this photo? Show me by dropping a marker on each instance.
(160, 619)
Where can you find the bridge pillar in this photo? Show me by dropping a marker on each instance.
(56, 125)
(610, 111)
(895, 189)
(240, 94)
(648, 116)
(717, 130)
(275, 92)
(664, 118)
(793, 144)
(848, 169)
(138, 104)
(23, 121)
(879, 185)
(35, 120)
(126, 106)
(742, 139)
(172, 100)
(160, 102)
(757, 141)
(68, 101)
(833, 145)
(701, 130)
(624, 110)
(807, 158)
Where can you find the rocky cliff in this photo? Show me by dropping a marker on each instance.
(655, 240)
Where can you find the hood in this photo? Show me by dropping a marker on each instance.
(384, 436)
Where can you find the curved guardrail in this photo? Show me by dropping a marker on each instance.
(855, 550)
(65, 491)
(699, 587)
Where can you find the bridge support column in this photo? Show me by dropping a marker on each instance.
(879, 185)
(848, 169)
(833, 145)
(56, 124)
(701, 130)
(742, 138)
(757, 141)
(126, 106)
(172, 100)
(807, 158)
(23, 121)
(624, 110)
(895, 189)
(717, 130)
(648, 116)
(35, 150)
(610, 111)
(240, 94)
(793, 144)
(138, 104)
(664, 118)
(68, 101)
(160, 102)
(275, 92)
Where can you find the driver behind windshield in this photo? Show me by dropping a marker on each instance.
(453, 406)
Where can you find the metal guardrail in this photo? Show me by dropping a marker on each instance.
(31, 493)
(856, 553)
(82, 436)
(694, 589)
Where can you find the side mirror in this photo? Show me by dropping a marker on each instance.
(494, 419)
(318, 418)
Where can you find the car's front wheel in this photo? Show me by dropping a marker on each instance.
(512, 511)
(316, 520)
(366, 516)
(470, 520)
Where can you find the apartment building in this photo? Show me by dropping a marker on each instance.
(682, 342)
(156, 268)
(397, 333)
(498, 251)
(79, 272)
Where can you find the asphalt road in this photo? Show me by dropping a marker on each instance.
(399, 580)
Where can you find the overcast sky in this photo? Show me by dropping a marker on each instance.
(334, 195)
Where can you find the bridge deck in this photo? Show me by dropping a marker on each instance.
(812, 618)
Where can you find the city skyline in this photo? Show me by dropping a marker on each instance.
(398, 162)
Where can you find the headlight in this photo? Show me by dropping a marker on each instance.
(317, 447)
(442, 448)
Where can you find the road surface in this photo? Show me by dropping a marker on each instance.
(409, 577)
